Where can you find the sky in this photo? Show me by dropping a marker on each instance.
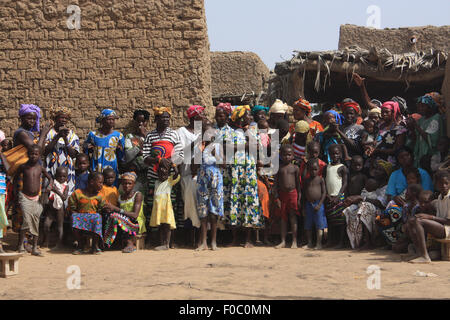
(275, 28)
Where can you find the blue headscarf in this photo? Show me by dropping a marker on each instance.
(337, 116)
(428, 100)
(259, 108)
(29, 108)
(105, 113)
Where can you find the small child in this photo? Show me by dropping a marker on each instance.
(58, 196)
(162, 212)
(3, 189)
(315, 191)
(357, 179)
(412, 177)
(210, 190)
(263, 124)
(287, 192)
(82, 172)
(283, 128)
(313, 152)
(300, 139)
(109, 191)
(85, 206)
(28, 198)
(336, 181)
(369, 137)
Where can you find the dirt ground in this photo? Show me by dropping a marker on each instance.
(230, 273)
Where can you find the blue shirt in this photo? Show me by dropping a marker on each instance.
(397, 182)
(81, 181)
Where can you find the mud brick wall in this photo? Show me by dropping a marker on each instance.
(128, 54)
(396, 40)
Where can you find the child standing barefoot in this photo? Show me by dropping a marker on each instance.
(162, 212)
(28, 198)
(336, 182)
(288, 194)
(85, 206)
(58, 196)
(315, 192)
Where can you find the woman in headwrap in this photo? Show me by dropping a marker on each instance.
(277, 112)
(302, 111)
(245, 209)
(62, 146)
(260, 113)
(391, 134)
(362, 210)
(129, 217)
(105, 145)
(134, 141)
(189, 136)
(351, 131)
(425, 133)
(162, 148)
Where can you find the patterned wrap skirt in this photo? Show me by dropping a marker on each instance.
(91, 222)
(115, 221)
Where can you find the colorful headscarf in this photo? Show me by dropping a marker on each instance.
(432, 99)
(29, 108)
(225, 107)
(2, 136)
(194, 111)
(393, 106)
(58, 110)
(302, 126)
(161, 149)
(129, 175)
(104, 114)
(279, 107)
(303, 104)
(439, 99)
(352, 104)
(259, 108)
(160, 110)
(375, 111)
(239, 112)
(376, 102)
(337, 116)
(387, 166)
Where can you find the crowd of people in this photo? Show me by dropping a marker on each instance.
(358, 174)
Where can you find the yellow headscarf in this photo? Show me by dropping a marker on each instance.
(160, 110)
(387, 166)
(239, 112)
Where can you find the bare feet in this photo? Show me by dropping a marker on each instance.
(1, 250)
(281, 245)
(129, 249)
(421, 260)
(214, 246)
(161, 248)
(21, 249)
(202, 247)
(294, 245)
(318, 247)
(308, 246)
(248, 245)
(36, 253)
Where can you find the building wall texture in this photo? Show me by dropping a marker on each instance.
(396, 40)
(127, 55)
(235, 73)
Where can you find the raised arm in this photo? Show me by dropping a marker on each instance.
(360, 82)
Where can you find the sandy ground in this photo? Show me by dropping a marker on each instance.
(231, 273)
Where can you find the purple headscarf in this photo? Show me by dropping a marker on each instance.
(29, 108)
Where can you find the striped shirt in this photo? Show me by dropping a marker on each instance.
(299, 151)
(167, 135)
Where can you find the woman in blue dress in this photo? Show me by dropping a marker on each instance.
(105, 146)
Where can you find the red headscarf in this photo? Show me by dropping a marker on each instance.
(225, 107)
(352, 104)
(393, 106)
(303, 104)
(194, 110)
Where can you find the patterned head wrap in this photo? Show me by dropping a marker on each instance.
(58, 110)
(278, 107)
(337, 116)
(432, 100)
(29, 108)
(352, 104)
(302, 126)
(194, 111)
(387, 166)
(259, 108)
(376, 102)
(303, 104)
(393, 106)
(239, 112)
(2, 136)
(104, 114)
(225, 107)
(160, 110)
(375, 111)
(439, 99)
(129, 175)
(401, 104)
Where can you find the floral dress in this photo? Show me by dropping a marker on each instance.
(86, 212)
(226, 134)
(386, 140)
(59, 156)
(245, 209)
(106, 153)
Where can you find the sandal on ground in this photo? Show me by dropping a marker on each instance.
(77, 252)
(96, 251)
(128, 250)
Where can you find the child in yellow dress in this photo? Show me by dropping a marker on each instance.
(162, 212)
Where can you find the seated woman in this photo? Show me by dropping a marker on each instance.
(85, 206)
(438, 226)
(129, 217)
